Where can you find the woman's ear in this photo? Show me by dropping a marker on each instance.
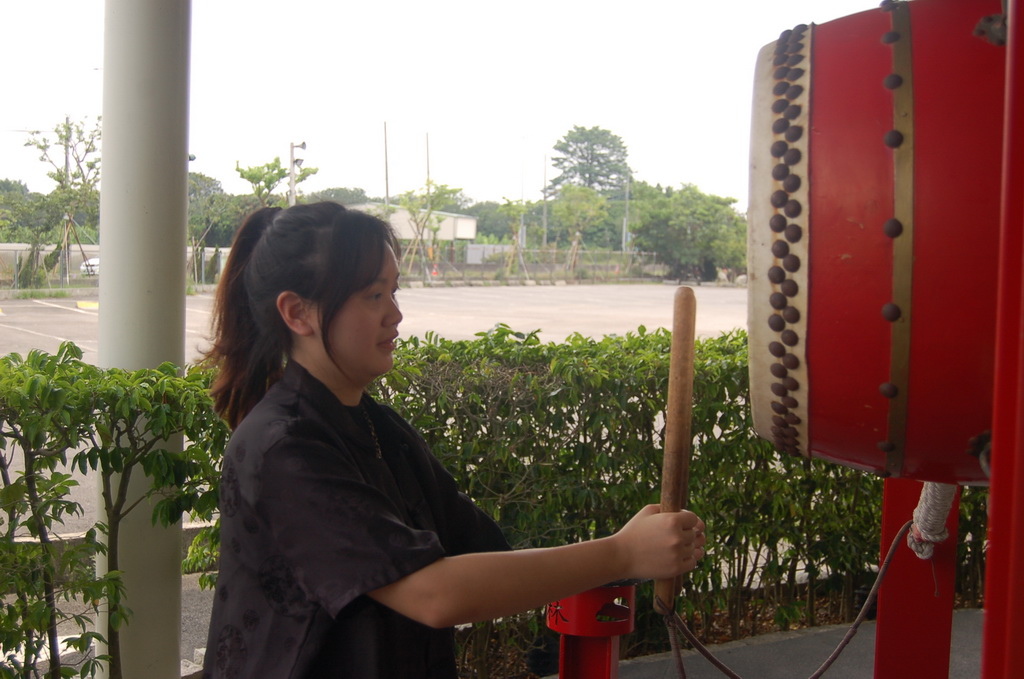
(298, 314)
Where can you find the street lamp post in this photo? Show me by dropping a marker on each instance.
(293, 163)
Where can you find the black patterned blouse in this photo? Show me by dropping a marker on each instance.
(312, 520)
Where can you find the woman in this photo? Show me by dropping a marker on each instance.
(346, 549)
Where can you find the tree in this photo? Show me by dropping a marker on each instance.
(28, 218)
(579, 209)
(73, 157)
(13, 194)
(213, 215)
(729, 249)
(342, 195)
(213, 218)
(423, 208)
(591, 157)
(265, 178)
(491, 220)
(690, 231)
(45, 408)
(515, 212)
(75, 167)
(13, 186)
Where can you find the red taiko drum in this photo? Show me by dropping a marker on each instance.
(873, 238)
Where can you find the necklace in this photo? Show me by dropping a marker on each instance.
(373, 430)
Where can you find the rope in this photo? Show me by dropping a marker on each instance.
(673, 639)
(930, 518)
(677, 627)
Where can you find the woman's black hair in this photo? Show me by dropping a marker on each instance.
(322, 252)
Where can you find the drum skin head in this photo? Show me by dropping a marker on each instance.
(875, 167)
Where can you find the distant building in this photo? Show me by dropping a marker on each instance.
(452, 226)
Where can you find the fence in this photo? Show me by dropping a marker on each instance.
(25, 268)
(454, 263)
(457, 263)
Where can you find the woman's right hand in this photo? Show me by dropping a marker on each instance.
(658, 545)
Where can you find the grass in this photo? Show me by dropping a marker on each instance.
(42, 294)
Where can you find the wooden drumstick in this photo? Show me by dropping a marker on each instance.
(675, 471)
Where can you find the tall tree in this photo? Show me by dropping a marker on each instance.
(591, 157)
(690, 231)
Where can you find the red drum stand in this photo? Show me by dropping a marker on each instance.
(1003, 654)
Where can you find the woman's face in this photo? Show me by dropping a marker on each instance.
(362, 336)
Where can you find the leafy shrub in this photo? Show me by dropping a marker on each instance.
(559, 442)
(44, 408)
(59, 413)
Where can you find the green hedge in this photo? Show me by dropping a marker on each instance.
(559, 441)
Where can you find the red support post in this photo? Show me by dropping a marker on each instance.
(915, 602)
(1003, 653)
(590, 624)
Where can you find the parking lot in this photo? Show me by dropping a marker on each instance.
(556, 311)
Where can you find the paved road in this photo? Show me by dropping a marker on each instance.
(456, 313)
(797, 654)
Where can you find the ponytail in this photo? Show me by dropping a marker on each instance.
(242, 377)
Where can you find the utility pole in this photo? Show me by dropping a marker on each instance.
(625, 220)
(65, 259)
(387, 187)
(544, 208)
(293, 163)
(522, 205)
(428, 167)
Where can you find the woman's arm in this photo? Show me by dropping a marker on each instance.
(473, 587)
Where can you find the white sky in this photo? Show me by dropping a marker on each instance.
(494, 85)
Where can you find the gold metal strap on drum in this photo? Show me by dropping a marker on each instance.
(900, 229)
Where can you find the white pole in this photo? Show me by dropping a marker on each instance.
(142, 292)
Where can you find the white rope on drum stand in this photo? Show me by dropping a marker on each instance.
(930, 516)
